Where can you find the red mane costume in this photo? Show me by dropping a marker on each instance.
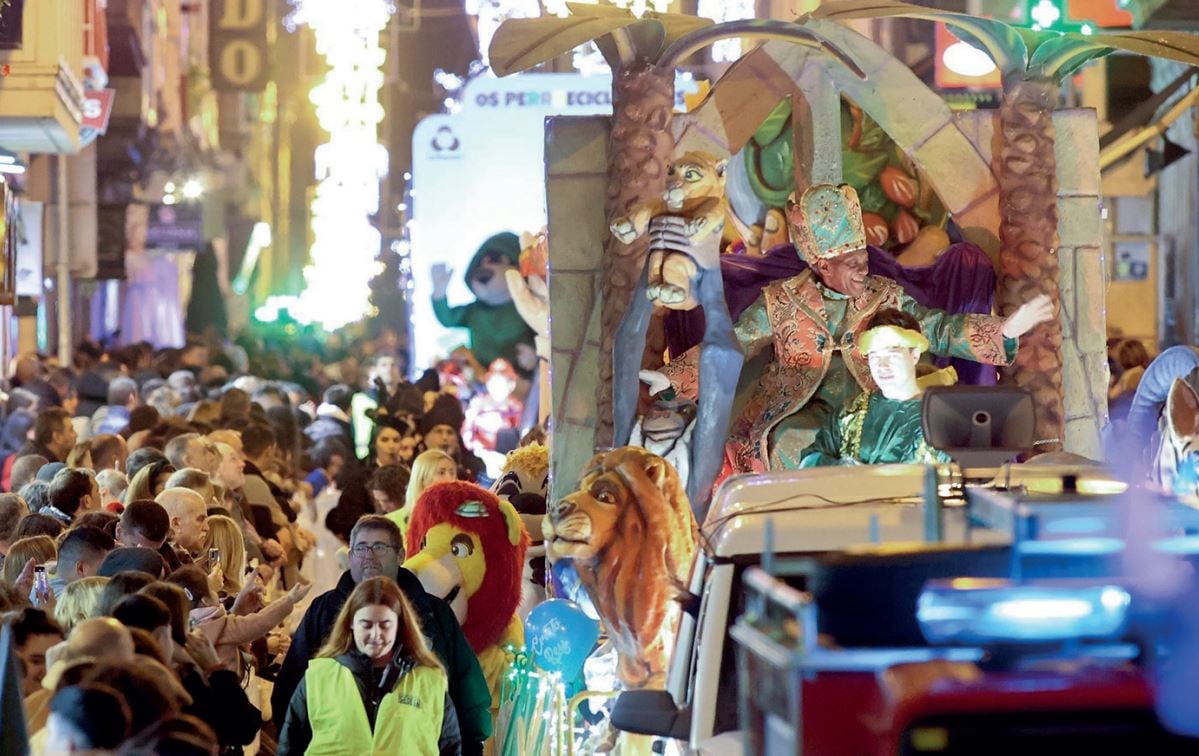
(491, 608)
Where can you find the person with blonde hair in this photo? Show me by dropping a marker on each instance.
(81, 455)
(375, 646)
(39, 548)
(224, 534)
(149, 481)
(429, 467)
(79, 600)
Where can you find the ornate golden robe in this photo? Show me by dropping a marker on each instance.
(811, 329)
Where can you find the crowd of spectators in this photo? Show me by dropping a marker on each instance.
(152, 544)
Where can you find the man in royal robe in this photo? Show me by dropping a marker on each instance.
(813, 321)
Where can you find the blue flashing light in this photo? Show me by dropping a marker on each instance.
(975, 612)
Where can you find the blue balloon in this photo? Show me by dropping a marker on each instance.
(560, 636)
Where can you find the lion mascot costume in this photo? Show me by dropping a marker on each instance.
(468, 547)
(524, 483)
(630, 532)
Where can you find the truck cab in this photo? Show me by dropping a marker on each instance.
(790, 522)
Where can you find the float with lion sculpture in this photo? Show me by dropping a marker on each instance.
(675, 228)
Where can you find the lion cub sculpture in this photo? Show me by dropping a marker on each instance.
(630, 532)
(694, 190)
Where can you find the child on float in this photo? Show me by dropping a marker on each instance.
(883, 426)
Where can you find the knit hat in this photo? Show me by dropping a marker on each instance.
(446, 410)
(827, 222)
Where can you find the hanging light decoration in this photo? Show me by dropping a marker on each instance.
(586, 58)
(350, 165)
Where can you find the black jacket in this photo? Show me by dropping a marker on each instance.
(373, 685)
(220, 702)
(468, 687)
(33, 447)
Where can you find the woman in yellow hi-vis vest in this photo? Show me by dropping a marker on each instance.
(374, 687)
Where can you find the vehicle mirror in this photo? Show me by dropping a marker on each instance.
(651, 712)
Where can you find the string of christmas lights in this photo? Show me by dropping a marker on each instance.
(350, 165)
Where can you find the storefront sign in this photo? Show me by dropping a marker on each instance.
(553, 94)
(175, 227)
(97, 109)
(238, 51)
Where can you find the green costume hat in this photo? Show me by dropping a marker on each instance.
(505, 243)
(827, 222)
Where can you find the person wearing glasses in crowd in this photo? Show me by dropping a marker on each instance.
(376, 550)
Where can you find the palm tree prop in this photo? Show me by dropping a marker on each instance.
(1033, 65)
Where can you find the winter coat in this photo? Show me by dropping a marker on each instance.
(468, 687)
(229, 631)
(407, 709)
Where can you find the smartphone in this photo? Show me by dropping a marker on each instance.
(214, 557)
(41, 585)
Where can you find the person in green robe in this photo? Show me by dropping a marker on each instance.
(881, 426)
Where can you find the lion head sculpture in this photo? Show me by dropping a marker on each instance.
(631, 535)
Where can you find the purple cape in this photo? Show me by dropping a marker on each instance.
(961, 280)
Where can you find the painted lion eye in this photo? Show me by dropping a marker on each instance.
(606, 497)
(693, 175)
(462, 546)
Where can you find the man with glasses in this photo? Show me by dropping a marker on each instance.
(376, 549)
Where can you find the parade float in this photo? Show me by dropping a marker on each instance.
(1020, 184)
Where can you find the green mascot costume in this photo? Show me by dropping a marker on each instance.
(496, 328)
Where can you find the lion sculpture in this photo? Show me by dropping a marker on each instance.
(694, 190)
(630, 532)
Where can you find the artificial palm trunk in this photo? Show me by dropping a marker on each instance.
(639, 149)
(1028, 254)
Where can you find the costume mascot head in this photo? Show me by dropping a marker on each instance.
(524, 482)
(468, 547)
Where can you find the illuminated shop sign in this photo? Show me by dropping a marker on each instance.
(238, 50)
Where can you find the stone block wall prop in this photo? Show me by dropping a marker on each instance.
(576, 164)
(1083, 280)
